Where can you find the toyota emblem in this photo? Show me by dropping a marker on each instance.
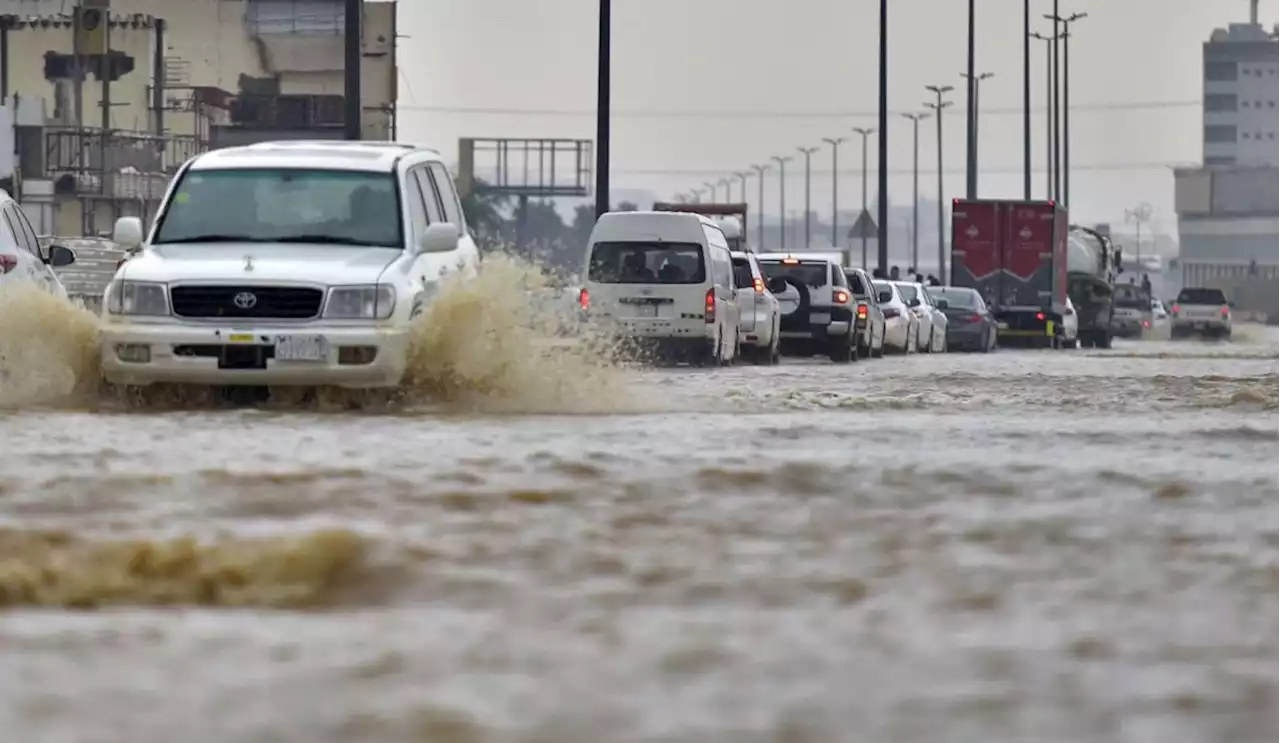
(245, 300)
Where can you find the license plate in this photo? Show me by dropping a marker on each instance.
(301, 347)
(647, 310)
(241, 338)
(1002, 326)
(819, 318)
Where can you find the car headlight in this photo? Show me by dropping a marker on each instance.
(137, 298)
(360, 302)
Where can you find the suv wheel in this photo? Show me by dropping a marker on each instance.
(841, 350)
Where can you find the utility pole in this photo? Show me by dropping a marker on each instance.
(937, 107)
(971, 126)
(1026, 100)
(835, 186)
(742, 177)
(974, 113)
(728, 189)
(353, 107)
(1137, 216)
(603, 77)
(1066, 103)
(808, 213)
(865, 132)
(760, 171)
(915, 185)
(782, 200)
(882, 233)
(1050, 113)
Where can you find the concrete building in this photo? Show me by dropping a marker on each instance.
(1229, 209)
(190, 75)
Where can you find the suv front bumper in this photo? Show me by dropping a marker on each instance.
(179, 353)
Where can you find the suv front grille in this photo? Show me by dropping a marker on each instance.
(278, 302)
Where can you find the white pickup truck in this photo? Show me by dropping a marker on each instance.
(1200, 311)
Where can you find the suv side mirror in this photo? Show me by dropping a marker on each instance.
(441, 237)
(60, 255)
(777, 285)
(127, 233)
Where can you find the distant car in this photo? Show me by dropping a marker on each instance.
(20, 256)
(1070, 337)
(1200, 311)
(868, 317)
(1131, 317)
(932, 335)
(901, 326)
(817, 306)
(760, 314)
(970, 324)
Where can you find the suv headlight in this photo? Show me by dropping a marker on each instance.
(360, 302)
(137, 298)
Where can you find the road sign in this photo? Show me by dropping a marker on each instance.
(864, 227)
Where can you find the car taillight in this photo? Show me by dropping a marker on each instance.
(1175, 309)
(1146, 323)
(8, 263)
(839, 296)
(888, 313)
(584, 299)
(862, 312)
(709, 314)
(1226, 310)
(975, 317)
(758, 285)
(1040, 316)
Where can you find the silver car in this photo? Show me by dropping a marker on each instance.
(758, 324)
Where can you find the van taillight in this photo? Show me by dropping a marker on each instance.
(759, 285)
(584, 300)
(710, 313)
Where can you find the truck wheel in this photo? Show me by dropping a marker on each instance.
(1103, 339)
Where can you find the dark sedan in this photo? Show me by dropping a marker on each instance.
(970, 324)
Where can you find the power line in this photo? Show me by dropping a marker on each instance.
(1120, 167)
(1114, 107)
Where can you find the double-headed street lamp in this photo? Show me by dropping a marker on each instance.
(835, 185)
(1065, 194)
(760, 170)
(915, 185)
(782, 200)
(808, 214)
(1051, 115)
(742, 179)
(971, 173)
(938, 106)
(864, 132)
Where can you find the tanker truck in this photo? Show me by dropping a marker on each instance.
(1093, 265)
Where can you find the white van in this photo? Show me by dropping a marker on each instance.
(666, 280)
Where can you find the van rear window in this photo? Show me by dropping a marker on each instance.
(640, 262)
(814, 273)
(742, 277)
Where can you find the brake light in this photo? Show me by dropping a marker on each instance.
(975, 317)
(1040, 316)
(1226, 310)
(862, 312)
(840, 296)
(584, 299)
(710, 312)
(1175, 309)
(7, 263)
(790, 261)
(758, 284)
(1146, 323)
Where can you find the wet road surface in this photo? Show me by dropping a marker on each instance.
(1023, 546)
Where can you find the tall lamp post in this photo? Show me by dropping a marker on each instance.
(782, 200)
(971, 126)
(915, 185)
(728, 189)
(602, 108)
(760, 171)
(882, 233)
(1026, 100)
(711, 189)
(835, 187)
(974, 113)
(808, 213)
(1050, 114)
(937, 107)
(697, 195)
(742, 179)
(864, 132)
(1065, 195)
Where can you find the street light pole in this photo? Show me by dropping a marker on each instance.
(1050, 113)
(1057, 141)
(835, 186)
(865, 132)
(1026, 100)
(974, 113)
(711, 188)
(808, 213)
(742, 178)
(971, 126)
(697, 195)
(760, 171)
(782, 200)
(937, 107)
(603, 75)
(915, 185)
(1066, 104)
(882, 233)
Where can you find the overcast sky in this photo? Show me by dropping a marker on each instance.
(795, 72)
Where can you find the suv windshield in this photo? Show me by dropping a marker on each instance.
(1132, 296)
(811, 273)
(642, 262)
(958, 298)
(283, 205)
(1201, 296)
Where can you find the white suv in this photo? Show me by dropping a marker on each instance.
(285, 263)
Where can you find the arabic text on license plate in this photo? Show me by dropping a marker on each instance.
(1002, 325)
(820, 318)
(647, 310)
(301, 347)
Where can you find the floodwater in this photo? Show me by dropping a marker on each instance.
(1022, 546)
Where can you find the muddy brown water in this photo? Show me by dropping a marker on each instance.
(1022, 546)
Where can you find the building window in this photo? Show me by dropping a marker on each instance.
(1220, 133)
(1221, 70)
